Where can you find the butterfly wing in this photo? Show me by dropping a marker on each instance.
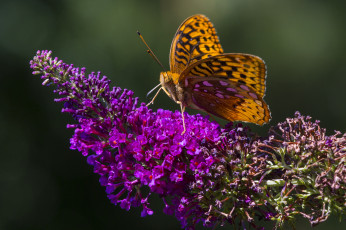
(230, 86)
(245, 69)
(235, 105)
(194, 40)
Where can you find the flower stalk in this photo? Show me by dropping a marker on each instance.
(208, 174)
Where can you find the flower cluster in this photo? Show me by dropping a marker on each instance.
(208, 174)
(309, 165)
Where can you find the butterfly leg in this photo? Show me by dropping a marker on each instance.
(182, 108)
(152, 101)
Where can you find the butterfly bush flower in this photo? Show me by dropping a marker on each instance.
(208, 174)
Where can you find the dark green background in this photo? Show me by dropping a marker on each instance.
(44, 185)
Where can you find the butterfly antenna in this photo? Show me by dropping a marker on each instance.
(150, 51)
(182, 108)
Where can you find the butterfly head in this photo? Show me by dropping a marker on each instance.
(169, 83)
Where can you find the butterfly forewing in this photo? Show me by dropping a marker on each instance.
(245, 69)
(194, 40)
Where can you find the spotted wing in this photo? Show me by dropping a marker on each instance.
(230, 86)
(194, 40)
(245, 69)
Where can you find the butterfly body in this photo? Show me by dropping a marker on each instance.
(201, 76)
(169, 83)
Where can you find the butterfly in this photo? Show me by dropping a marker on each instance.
(202, 76)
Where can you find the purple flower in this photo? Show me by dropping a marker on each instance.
(176, 176)
(208, 174)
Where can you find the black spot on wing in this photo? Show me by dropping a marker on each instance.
(180, 57)
(230, 74)
(198, 72)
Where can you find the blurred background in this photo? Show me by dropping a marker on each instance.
(45, 185)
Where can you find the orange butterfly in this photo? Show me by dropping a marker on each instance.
(201, 76)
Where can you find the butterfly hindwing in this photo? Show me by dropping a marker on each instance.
(228, 100)
(194, 40)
